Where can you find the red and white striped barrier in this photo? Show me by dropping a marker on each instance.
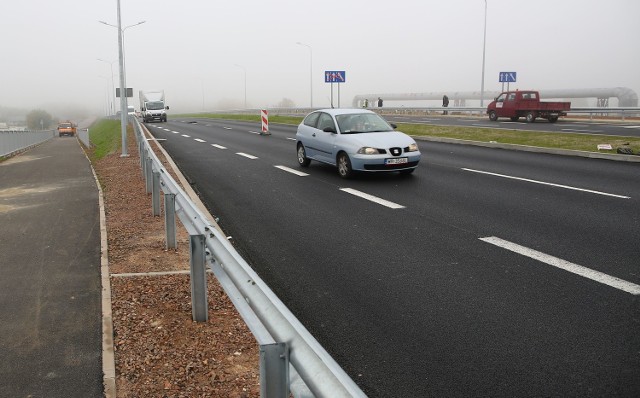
(264, 115)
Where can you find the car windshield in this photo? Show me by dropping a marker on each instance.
(154, 106)
(362, 123)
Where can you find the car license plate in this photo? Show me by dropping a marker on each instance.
(396, 160)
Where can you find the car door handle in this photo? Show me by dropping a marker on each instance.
(313, 135)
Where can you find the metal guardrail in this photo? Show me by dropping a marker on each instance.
(291, 359)
(12, 142)
(621, 112)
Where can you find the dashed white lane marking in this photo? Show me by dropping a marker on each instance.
(227, 128)
(548, 183)
(585, 272)
(246, 155)
(292, 139)
(254, 132)
(292, 171)
(187, 136)
(372, 198)
(199, 140)
(219, 146)
(175, 132)
(631, 127)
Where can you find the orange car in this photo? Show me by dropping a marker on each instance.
(66, 128)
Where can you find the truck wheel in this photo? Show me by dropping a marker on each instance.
(493, 116)
(553, 119)
(515, 119)
(531, 117)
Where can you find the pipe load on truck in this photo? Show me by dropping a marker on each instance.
(152, 106)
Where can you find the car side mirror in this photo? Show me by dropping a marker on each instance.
(167, 108)
(395, 126)
(329, 130)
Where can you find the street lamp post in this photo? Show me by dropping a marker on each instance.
(245, 84)
(123, 92)
(112, 83)
(310, 70)
(484, 46)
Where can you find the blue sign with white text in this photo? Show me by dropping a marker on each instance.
(507, 77)
(335, 76)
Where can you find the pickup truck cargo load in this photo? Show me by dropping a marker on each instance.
(152, 106)
(527, 104)
(66, 128)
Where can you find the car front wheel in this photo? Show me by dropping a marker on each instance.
(344, 166)
(303, 160)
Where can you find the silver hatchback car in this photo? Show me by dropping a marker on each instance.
(355, 140)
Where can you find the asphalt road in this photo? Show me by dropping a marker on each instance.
(629, 128)
(485, 273)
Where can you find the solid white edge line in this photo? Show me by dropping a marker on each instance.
(372, 198)
(292, 171)
(585, 272)
(219, 146)
(246, 155)
(547, 183)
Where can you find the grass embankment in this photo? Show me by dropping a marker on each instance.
(571, 141)
(106, 137)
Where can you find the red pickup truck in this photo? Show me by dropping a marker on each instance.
(527, 104)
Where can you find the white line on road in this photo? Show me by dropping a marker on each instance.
(175, 132)
(199, 140)
(227, 128)
(582, 131)
(566, 265)
(548, 183)
(187, 136)
(292, 139)
(292, 171)
(219, 146)
(246, 155)
(631, 127)
(372, 198)
(254, 132)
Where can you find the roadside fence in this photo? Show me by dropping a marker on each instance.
(14, 142)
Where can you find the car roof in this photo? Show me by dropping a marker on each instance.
(344, 111)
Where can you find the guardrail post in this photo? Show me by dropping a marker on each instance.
(274, 370)
(155, 193)
(148, 175)
(170, 220)
(199, 305)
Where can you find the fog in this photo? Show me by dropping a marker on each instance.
(200, 51)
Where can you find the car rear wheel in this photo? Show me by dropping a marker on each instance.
(493, 116)
(344, 166)
(553, 119)
(303, 160)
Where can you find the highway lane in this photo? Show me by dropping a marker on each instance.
(422, 300)
(630, 128)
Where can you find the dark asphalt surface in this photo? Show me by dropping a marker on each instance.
(411, 302)
(50, 291)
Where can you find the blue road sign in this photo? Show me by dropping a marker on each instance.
(507, 77)
(335, 76)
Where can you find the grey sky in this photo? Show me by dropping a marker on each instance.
(190, 48)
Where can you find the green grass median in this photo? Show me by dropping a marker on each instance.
(105, 135)
(570, 141)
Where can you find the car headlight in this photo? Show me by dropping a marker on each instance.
(367, 150)
(411, 148)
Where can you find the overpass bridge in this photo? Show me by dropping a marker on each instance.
(626, 97)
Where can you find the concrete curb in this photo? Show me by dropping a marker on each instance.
(108, 352)
(525, 148)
